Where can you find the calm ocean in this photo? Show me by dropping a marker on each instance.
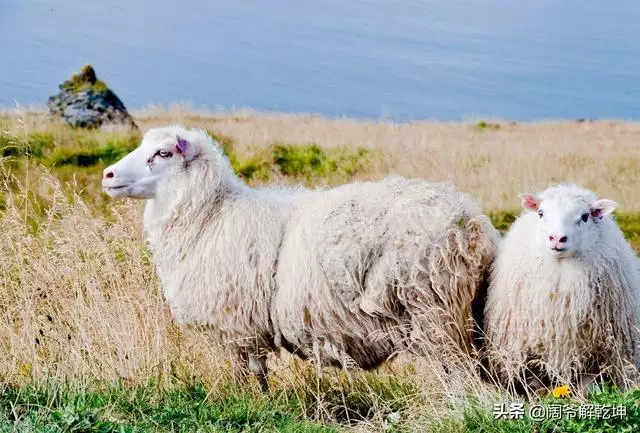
(399, 59)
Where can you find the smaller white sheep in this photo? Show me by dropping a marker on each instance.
(563, 298)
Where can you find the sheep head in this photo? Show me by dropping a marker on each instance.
(162, 152)
(568, 219)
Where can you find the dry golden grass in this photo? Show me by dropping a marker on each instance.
(80, 303)
(493, 163)
(79, 300)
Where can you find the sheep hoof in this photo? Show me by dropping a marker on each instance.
(585, 383)
(264, 383)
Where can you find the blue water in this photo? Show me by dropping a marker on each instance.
(400, 59)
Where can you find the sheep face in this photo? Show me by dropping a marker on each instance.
(138, 174)
(568, 223)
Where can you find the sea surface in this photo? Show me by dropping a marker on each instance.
(397, 59)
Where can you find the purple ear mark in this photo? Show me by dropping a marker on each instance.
(181, 145)
(596, 214)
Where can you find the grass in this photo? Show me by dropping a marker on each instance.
(487, 125)
(494, 165)
(483, 419)
(87, 342)
(118, 408)
(308, 163)
(92, 154)
(194, 407)
(78, 157)
(311, 161)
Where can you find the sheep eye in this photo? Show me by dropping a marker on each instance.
(540, 213)
(584, 217)
(164, 153)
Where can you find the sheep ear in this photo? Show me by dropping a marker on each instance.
(181, 145)
(530, 202)
(602, 208)
(184, 147)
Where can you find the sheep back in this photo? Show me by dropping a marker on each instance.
(367, 269)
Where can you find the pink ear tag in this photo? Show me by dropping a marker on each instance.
(181, 145)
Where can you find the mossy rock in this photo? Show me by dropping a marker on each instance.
(84, 101)
(86, 79)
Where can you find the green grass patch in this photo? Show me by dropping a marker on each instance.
(309, 405)
(502, 220)
(181, 408)
(254, 168)
(298, 161)
(35, 145)
(105, 154)
(311, 160)
(482, 125)
(80, 149)
(630, 225)
(77, 157)
(85, 149)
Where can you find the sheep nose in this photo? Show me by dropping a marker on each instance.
(558, 239)
(108, 174)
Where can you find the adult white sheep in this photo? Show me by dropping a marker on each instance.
(362, 266)
(563, 298)
(214, 240)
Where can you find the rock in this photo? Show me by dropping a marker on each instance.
(86, 102)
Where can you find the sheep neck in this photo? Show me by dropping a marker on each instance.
(192, 199)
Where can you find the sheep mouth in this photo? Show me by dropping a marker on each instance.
(112, 188)
(560, 252)
(116, 190)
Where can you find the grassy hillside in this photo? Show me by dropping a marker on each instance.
(87, 342)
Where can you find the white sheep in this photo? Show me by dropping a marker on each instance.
(563, 298)
(214, 240)
(368, 269)
(363, 270)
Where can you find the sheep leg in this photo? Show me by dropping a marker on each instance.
(534, 385)
(240, 364)
(258, 366)
(345, 368)
(316, 355)
(584, 381)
